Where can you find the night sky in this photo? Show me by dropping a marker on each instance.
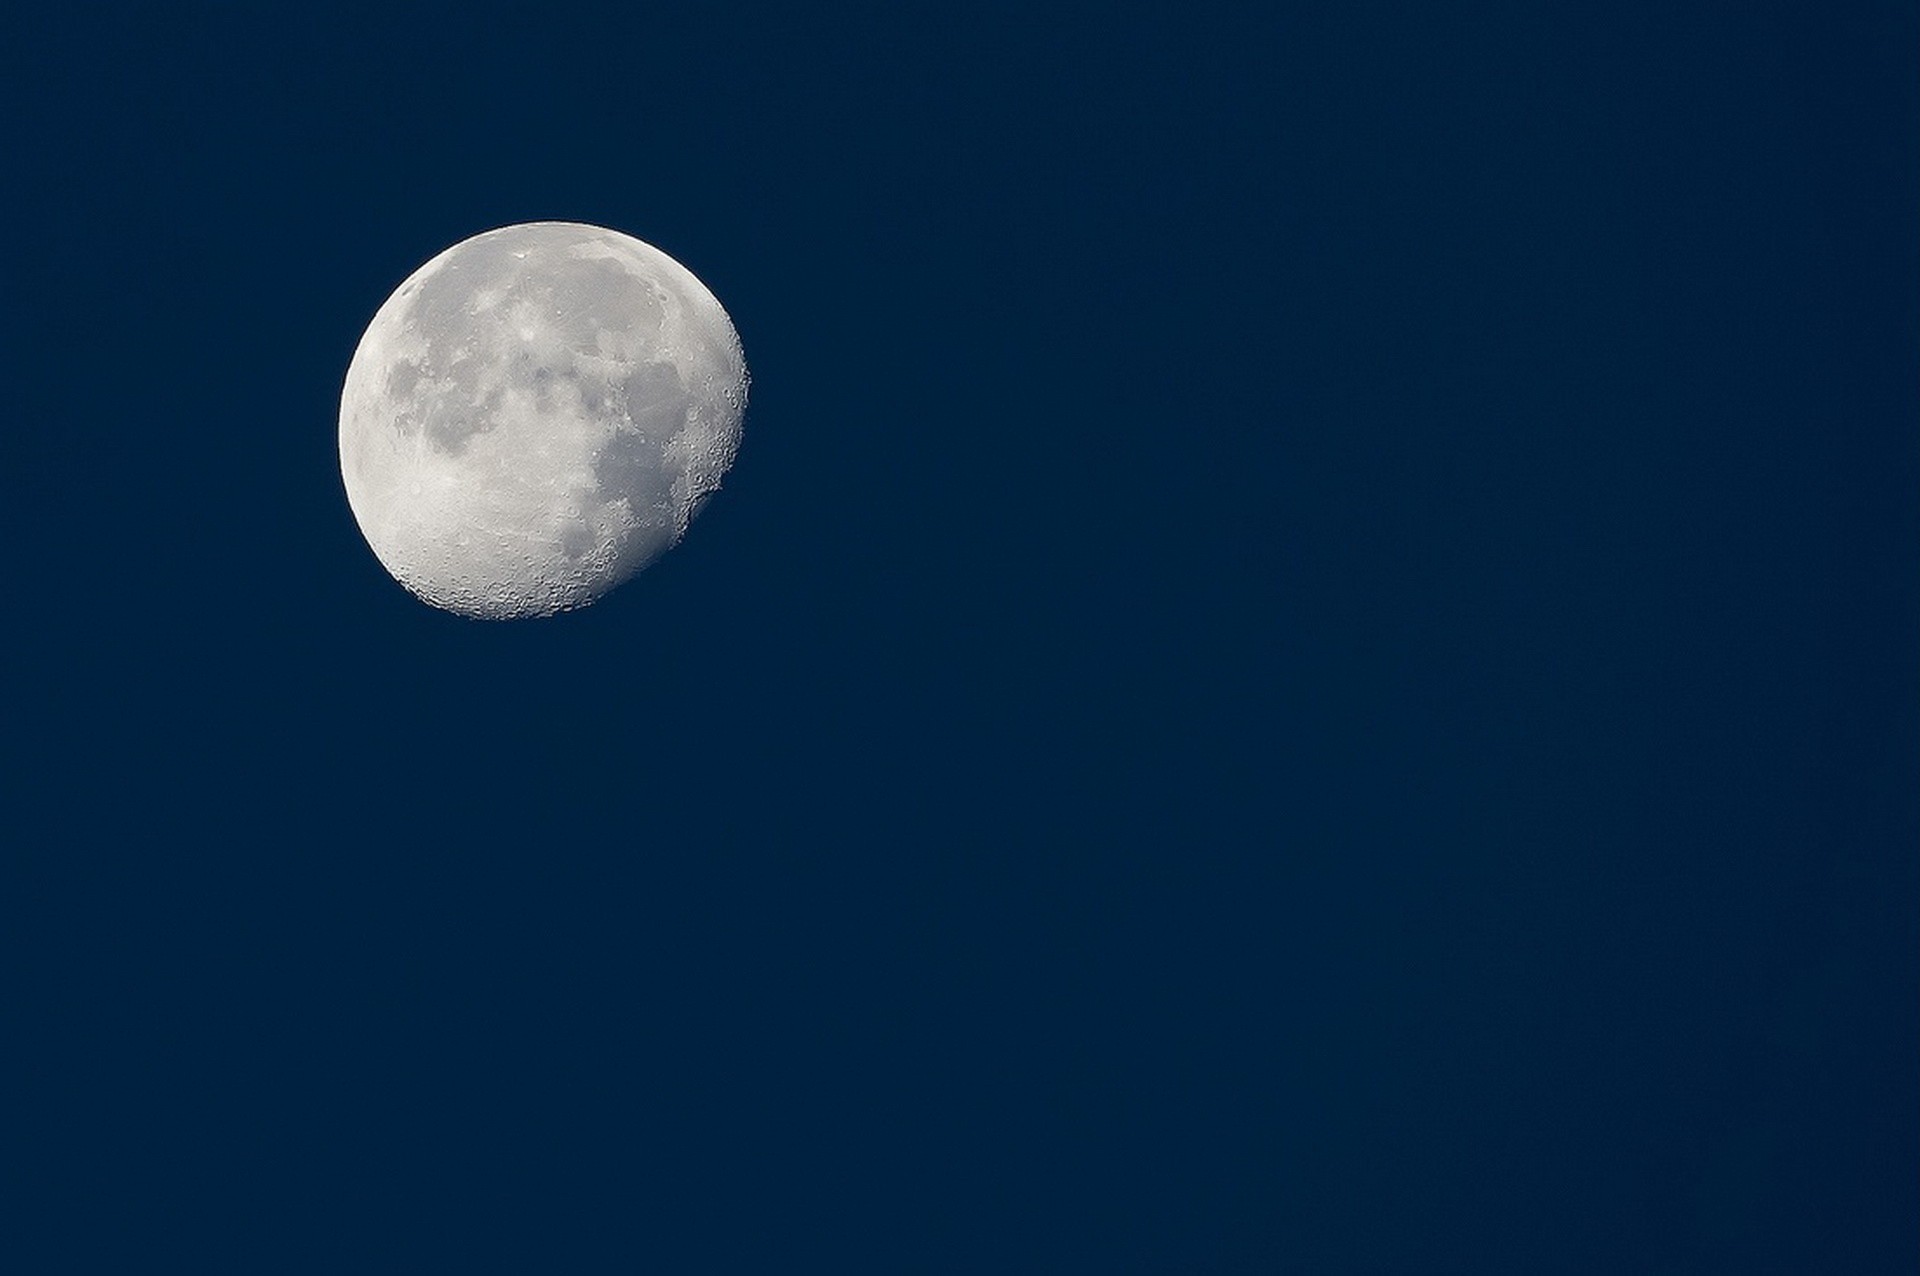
(1309, 664)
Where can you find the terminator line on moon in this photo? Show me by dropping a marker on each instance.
(535, 415)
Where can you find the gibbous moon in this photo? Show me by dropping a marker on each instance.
(535, 415)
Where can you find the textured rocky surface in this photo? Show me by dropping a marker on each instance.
(535, 415)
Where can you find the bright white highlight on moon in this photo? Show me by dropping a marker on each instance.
(535, 415)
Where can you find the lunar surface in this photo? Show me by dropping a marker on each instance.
(535, 415)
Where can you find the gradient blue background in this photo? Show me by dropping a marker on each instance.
(1309, 664)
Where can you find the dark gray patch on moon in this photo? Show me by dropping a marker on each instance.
(656, 401)
(449, 424)
(630, 466)
(401, 379)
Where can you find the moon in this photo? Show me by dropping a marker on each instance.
(535, 415)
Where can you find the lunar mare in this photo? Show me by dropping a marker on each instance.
(535, 415)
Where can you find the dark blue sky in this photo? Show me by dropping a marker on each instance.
(1309, 664)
